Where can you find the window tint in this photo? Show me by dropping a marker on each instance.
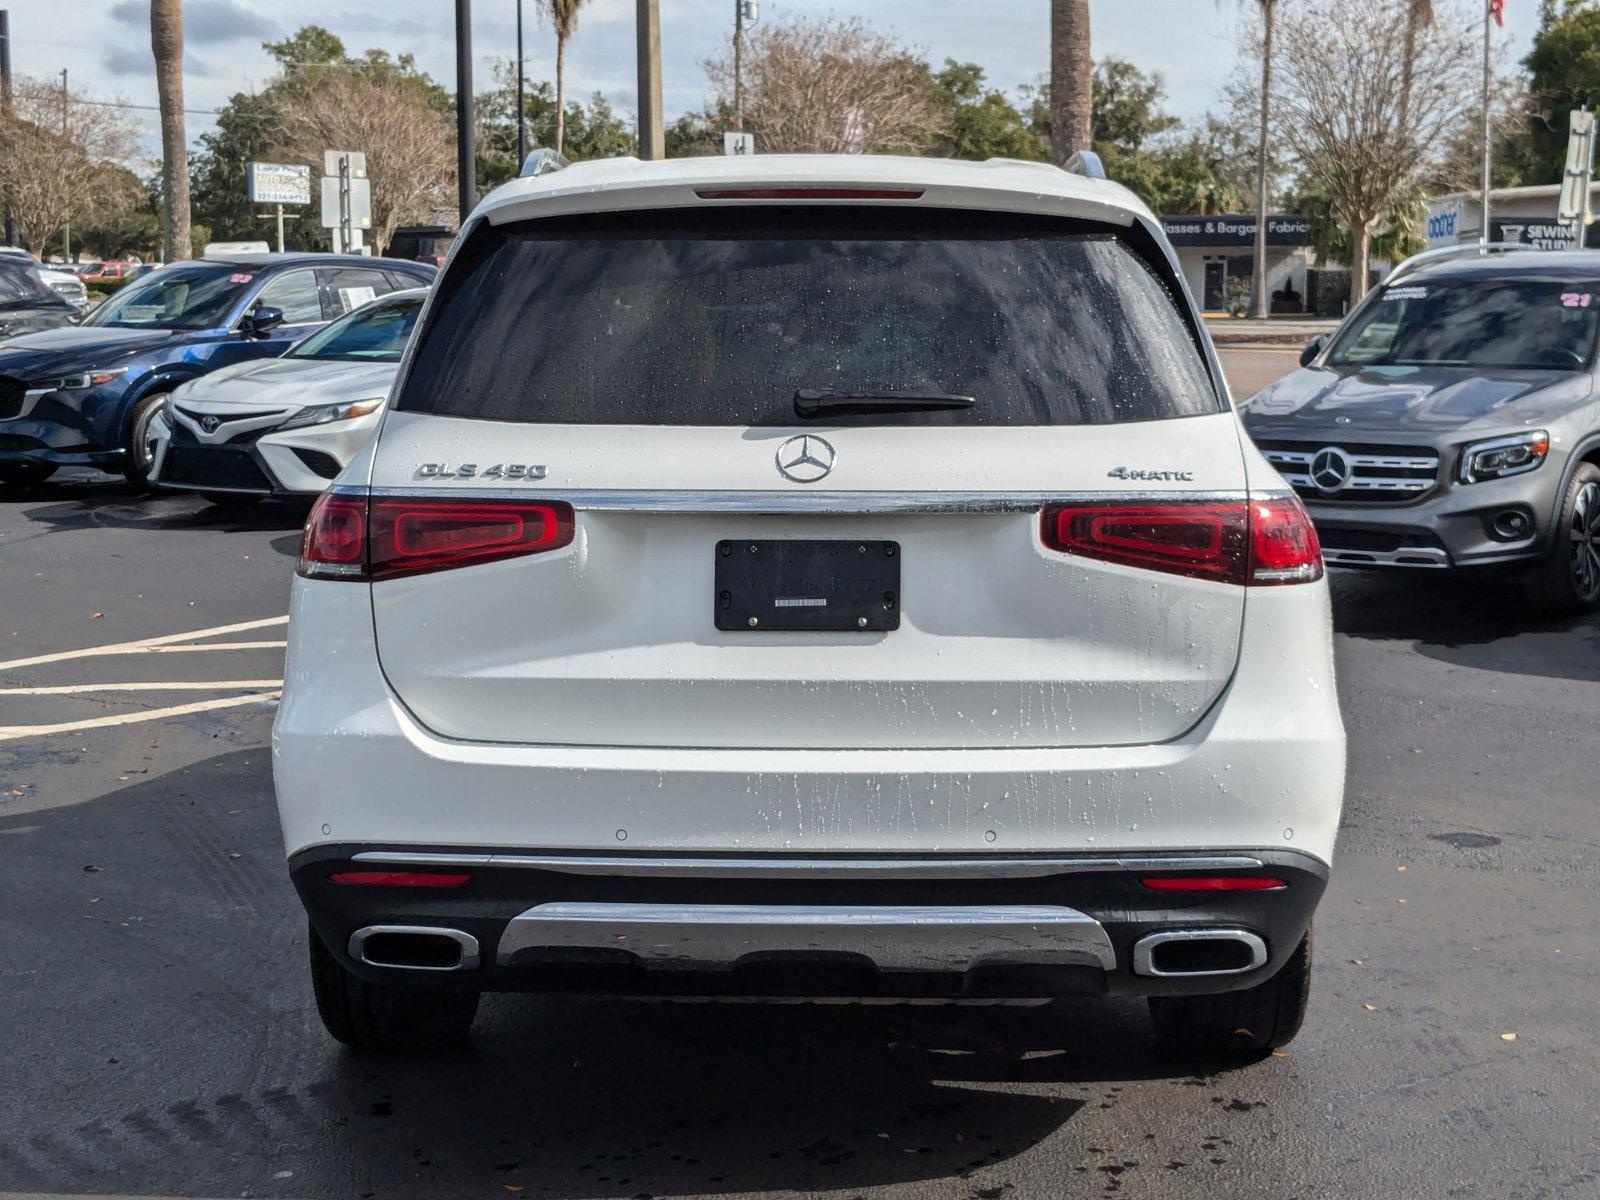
(295, 292)
(377, 334)
(20, 282)
(181, 296)
(1508, 322)
(348, 288)
(717, 318)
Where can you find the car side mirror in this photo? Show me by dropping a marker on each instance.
(1312, 349)
(262, 320)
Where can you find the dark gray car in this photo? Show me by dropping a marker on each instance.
(1452, 421)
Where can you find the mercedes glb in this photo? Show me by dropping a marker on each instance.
(810, 577)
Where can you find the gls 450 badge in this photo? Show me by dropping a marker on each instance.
(472, 471)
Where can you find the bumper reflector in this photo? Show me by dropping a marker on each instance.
(1213, 883)
(404, 879)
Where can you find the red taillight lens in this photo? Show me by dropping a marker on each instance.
(1283, 543)
(413, 536)
(334, 544)
(1205, 541)
(1261, 542)
(350, 537)
(1213, 883)
(402, 879)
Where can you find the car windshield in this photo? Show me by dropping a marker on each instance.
(181, 297)
(1532, 323)
(376, 333)
(721, 318)
(20, 284)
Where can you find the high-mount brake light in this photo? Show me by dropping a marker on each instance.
(352, 537)
(1257, 542)
(809, 193)
(1213, 883)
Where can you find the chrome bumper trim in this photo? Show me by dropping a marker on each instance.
(816, 868)
(1425, 558)
(468, 961)
(893, 938)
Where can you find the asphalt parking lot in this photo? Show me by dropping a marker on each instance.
(159, 1036)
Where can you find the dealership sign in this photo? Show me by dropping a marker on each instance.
(278, 183)
(1235, 229)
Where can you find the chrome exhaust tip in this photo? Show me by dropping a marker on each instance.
(414, 948)
(1194, 953)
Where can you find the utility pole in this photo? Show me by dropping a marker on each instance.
(652, 137)
(522, 140)
(738, 65)
(5, 119)
(466, 146)
(66, 132)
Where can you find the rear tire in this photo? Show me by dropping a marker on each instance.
(137, 457)
(1568, 581)
(25, 474)
(1242, 1024)
(379, 1018)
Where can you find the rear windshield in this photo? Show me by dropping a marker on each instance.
(1509, 322)
(719, 317)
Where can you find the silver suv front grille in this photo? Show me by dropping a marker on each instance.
(1357, 473)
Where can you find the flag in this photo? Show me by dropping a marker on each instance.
(1497, 10)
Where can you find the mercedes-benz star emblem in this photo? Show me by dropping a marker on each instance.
(805, 459)
(209, 424)
(1330, 468)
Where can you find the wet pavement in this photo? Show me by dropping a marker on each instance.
(159, 1037)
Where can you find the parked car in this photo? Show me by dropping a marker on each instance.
(1452, 422)
(286, 426)
(86, 396)
(104, 271)
(27, 304)
(60, 281)
(828, 576)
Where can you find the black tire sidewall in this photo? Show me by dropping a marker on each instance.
(134, 469)
(1557, 586)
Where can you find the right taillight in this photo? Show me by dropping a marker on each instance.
(356, 538)
(1258, 542)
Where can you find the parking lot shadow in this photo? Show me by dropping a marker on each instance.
(88, 501)
(1489, 623)
(166, 989)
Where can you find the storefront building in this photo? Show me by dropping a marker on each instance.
(1213, 250)
(1519, 214)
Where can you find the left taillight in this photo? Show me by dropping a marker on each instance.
(357, 538)
(1255, 542)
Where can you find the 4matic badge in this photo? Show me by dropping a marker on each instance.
(1140, 473)
(472, 471)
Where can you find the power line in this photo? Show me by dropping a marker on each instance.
(199, 112)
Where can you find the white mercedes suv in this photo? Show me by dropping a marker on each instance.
(818, 577)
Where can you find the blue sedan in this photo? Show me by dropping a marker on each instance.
(85, 395)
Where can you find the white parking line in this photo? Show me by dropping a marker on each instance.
(141, 645)
(12, 732)
(159, 685)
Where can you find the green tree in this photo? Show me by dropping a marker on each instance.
(563, 18)
(592, 131)
(1564, 74)
(982, 122)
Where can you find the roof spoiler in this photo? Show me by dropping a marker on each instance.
(542, 162)
(1446, 253)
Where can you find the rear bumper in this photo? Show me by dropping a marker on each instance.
(925, 927)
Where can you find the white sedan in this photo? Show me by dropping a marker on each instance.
(286, 426)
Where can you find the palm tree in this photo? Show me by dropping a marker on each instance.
(1071, 79)
(166, 40)
(1419, 14)
(1258, 273)
(563, 17)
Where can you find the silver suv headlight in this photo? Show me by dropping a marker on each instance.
(1500, 457)
(322, 414)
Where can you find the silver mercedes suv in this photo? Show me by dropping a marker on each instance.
(1452, 421)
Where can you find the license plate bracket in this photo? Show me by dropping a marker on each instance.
(793, 585)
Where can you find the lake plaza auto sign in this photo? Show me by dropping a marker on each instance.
(278, 183)
(1235, 230)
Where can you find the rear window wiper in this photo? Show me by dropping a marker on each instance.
(815, 402)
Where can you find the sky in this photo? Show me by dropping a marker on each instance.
(105, 44)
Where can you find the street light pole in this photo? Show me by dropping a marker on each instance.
(652, 137)
(1483, 216)
(522, 141)
(66, 133)
(5, 119)
(738, 65)
(466, 145)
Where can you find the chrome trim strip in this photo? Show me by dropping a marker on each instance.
(1143, 948)
(469, 946)
(669, 500)
(893, 937)
(667, 867)
(1406, 556)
